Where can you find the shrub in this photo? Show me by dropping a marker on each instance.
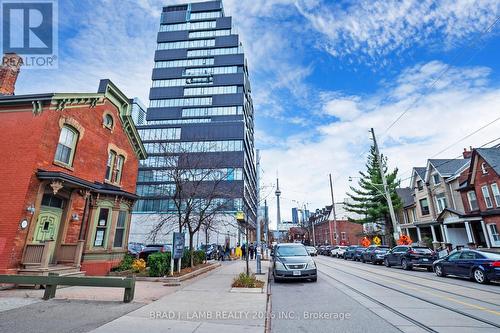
(159, 264)
(138, 265)
(247, 281)
(199, 258)
(125, 264)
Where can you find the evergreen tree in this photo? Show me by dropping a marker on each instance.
(368, 198)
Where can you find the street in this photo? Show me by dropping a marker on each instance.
(375, 298)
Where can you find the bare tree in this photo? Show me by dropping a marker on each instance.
(198, 187)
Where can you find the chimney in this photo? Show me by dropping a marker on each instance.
(467, 153)
(9, 70)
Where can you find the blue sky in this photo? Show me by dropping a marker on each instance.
(323, 72)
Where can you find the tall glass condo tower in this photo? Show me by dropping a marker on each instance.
(200, 100)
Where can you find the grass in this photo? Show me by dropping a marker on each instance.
(247, 281)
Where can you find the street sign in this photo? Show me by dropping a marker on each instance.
(240, 216)
(178, 246)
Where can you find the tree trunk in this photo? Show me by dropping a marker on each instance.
(191, 250)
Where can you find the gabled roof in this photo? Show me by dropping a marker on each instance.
(59, 101)
(420, 172)
(406, 195)
(492, 157)
(448, 167)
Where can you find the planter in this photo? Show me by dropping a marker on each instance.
(247, 290)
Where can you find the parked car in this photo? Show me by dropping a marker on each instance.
(349, 252)
(480, 266)
(408, 257)
(292, 261)
(135, 248)
(334, 252)
(154, 248)
(341, 251)
(312, 250)
(375, 254)
(358, 253)
(210, 250)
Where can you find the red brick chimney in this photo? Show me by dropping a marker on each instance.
(9, 70)
(467, 153)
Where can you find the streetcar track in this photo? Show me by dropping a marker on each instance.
(445, 281)
(465, 314)
(385, 306)
(422, 285)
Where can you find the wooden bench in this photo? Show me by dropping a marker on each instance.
(53, 280)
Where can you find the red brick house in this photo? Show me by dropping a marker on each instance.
(69, 167)
(481, 193)
(348, 233)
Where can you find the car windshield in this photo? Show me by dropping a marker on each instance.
(291, 251)
(423, 250)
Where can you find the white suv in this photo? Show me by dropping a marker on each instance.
(338, 251)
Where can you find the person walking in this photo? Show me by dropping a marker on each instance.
(251, 248)
(244, 251)
(238, 253)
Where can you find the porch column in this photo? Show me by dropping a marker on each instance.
(419, 236)
(486, 235)
(446, 233)
(445, 236)
(469, 233)
(434, 239)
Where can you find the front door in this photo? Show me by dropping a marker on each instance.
(47, 225)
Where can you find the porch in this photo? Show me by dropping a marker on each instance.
(44, 258)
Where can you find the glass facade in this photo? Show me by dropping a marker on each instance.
(198, 107)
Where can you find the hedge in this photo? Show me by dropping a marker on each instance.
(199, 258)
(159, 264)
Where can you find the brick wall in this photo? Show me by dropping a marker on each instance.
(29, 143)
(325, 231)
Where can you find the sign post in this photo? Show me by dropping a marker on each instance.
(177, 250)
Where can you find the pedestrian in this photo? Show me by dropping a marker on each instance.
(251, 248)
(227, 251)
(238, 252)
(244, 251)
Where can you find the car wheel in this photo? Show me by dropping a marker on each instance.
(479, 276)
(404, 265)
(387, 263)
(363, 260)
(374, 262)
(439, 271)
(314, 279)
(345, 257)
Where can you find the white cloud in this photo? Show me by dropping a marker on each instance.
(344, 108)
(373, 29)
(436, 118)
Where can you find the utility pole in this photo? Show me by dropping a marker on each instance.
(334, 212)
(266, 227)
(258, 249)
(386, 189)
(278, 209)
(312, 224)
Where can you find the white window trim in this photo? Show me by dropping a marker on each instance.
(490, 234)
(495, 196)
(470, 201)
(485, 190)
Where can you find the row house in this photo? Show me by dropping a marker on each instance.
(441, 210)
(323, 223)
(69, 168)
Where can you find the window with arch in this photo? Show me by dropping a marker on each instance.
(108, 121)
(66, 146)
(110, 165)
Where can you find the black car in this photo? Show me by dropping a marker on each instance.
(292, 261)
(375, 254)
(480, 266)
(154, 248)
(408, 257)
(358, 253)
(135, 248)
(350, 251)
(210, 250)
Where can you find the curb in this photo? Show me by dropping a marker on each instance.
(267, 323)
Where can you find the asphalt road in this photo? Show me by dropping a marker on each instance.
(384, 300)
(62, 316)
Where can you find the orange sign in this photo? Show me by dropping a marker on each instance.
(365, 242)
(404, 240)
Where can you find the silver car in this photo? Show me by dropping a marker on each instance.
(293, 262)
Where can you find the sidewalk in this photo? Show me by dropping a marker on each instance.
(204, 306)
